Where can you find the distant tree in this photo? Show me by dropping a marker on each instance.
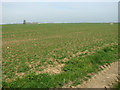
(24, 22)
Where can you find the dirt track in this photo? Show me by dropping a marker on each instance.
(104, 78)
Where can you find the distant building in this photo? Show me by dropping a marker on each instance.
(24, 21)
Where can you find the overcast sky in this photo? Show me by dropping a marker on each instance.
(16, 12)
(60, 0)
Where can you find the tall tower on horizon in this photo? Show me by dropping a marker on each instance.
(24, 21)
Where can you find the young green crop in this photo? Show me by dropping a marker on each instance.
(32, 47)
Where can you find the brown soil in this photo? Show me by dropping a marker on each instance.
(52, 69)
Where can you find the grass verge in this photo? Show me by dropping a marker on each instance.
(117, 86)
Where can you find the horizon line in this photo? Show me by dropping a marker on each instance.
(57, 22)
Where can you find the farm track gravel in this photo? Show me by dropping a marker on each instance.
(103, 79)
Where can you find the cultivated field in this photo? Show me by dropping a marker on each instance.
(53, 55)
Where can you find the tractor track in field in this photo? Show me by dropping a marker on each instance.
(103, 79)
